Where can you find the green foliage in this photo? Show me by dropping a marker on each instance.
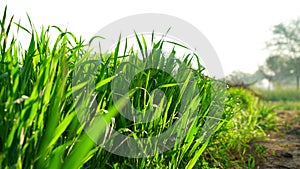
(248, 119)
(281, 95)
(285, 105)
(39, 127)
(284, 51)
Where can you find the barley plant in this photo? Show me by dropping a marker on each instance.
(39, 103)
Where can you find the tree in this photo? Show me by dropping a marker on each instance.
(286, 43)
(267, 74)
(241, 78)
(275, 70)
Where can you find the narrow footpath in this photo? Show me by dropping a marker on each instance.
(283, 145)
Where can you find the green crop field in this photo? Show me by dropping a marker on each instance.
(39, 126)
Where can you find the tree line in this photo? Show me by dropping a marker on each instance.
(282, 67)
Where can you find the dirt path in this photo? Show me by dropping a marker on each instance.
(282, 146)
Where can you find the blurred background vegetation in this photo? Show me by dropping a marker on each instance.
(278, 79)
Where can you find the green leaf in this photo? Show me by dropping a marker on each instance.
(168, 85)
(61, 128)
(193, 161)
(139, 43)
(104, 82)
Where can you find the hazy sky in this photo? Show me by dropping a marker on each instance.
(236, 29)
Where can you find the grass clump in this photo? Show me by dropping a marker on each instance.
(248, 120)
(39, 103)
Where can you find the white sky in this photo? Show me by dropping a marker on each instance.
(236, 29)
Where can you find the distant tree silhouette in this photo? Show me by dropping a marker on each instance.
(285, 45)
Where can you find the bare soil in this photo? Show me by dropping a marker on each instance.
(283, 145)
